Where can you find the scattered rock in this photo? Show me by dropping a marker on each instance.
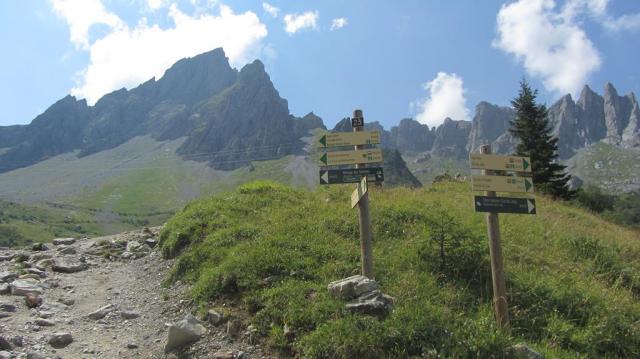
(233, 327)
(134, 246)
(24, 287)
(214, 317)
(17, 341)
(132, 346)
(6, 307)
(4, 315)
(67, 301)
(129, 314)
(102, 312)
(66, 250)
(64, 241)
(5, 355)
(29, 276)
(39, 247)
(35, 355)
(522, 351)
(7, 276)
(151, 242)
(374, 303)
(32, 300)
(4, 288)
(60, 340)
(4, 344)
(68, 265)
(352, 287)
(45, 322)
(185, 332)
(36, 271)
(223, 354)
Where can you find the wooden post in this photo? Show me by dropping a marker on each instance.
(495, 251)
(366, 246)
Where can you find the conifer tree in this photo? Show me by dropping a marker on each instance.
(535, 140)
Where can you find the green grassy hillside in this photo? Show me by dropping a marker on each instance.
(573, 279)
(21, 225)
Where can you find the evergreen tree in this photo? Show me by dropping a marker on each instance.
(531, 128)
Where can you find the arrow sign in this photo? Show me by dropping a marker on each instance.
(500, 163)
(505, 205)
(336, 139)
(501, 183)
(359, 192)
(351, 157)
(351, 175)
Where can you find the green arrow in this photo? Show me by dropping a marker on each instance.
(525, 164)
(527, 185)
(324, 158)
(323, 140)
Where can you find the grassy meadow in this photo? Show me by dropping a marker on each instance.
(265, 253)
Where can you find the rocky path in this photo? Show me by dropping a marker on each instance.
(103, 298)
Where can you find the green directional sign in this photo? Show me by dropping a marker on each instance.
(501, 183)
(351, 157)
(500, 163)
(505, 205)
(351, 175)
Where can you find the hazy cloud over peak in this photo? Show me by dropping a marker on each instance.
(445, 99)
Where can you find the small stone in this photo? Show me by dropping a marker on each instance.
(185, 332)
(102, 312)
(68, 265)
(214, 317)
(4, 315)
(35, 355)
(39, 247)
(374, 303)
(5, 355)
(66, 250)
(60, 340)
(5, 288)
(7, 276)
(36, 271)
(352, 287)
(132, 346)
(4, 344)
(66, 301)
(45, 322)
(151, 242)
(6, 307)
(129, 314)
(24, 287)
(17, 341)
(233, 327)
(29, 276)
(223, 354)
(32, 300)
(63, 241)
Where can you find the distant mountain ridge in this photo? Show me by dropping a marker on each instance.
(223, 112)
(231, 117)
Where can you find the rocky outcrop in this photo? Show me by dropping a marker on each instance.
(412, 136)
(451, 139)
(363, 295)
(490, 122)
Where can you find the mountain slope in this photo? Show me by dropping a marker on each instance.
(573, 279)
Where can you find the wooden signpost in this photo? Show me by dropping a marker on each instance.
(337, 158)
(360, 157)
(490, 183)
(351, 175)
(338, 139)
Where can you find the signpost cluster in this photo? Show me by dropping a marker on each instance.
(360, 156)
(491, 182)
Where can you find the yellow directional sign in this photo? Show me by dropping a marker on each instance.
(359, 192)
(500, 163)
(501, 183)
(351, 157)
(336, 139)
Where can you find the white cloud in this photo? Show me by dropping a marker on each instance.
(630, 22)
(296, 22)
(270, 9)
(446, 99)
(549, 42)
(81, 15)
(157, 4)
(128, 56)
(338, 23)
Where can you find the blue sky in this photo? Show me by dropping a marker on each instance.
(394, 59)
